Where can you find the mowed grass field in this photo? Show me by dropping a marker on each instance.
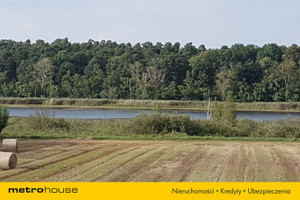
(83, 160)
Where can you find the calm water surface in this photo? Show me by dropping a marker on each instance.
(124, 114)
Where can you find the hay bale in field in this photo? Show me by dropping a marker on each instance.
(10, 145)
(8, 160)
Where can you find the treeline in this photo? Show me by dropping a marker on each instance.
(149, 71)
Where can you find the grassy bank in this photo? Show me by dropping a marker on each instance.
(152, 127)
(144, 104)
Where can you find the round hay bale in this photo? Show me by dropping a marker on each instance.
(10, 145)
(8, 160)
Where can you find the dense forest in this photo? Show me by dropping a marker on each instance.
(167, 71)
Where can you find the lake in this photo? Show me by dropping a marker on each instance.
(125, 114)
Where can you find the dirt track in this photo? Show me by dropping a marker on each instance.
(155, 161)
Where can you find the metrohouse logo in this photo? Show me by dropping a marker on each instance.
(49, 190)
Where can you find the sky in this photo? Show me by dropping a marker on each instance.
(213, 23)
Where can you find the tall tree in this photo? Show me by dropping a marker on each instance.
(226, 82)
(286, 71)
(42, 74)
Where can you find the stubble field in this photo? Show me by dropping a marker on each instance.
(82, 160)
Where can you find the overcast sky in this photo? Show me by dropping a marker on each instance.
(210, 22)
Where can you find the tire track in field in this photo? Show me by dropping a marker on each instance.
(140, 153)
(224, 164)
(85, 158)
(35, 164)
(211, 165)
(168, 161)
(207, 167)
(108, 166)
(234, 166)
(22, 148)
(38, 164)
(289, 166)
(53, 168)
(294, 153)
(265, 169)
(41, 157)
(84, 167)
(182, 170)
(29, 145)
(35, 175)
(44, 153)
(129, 170)
(52, 150)
(26, 159)
(249, 174)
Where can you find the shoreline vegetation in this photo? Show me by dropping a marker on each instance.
(156, 126)
(144, 104)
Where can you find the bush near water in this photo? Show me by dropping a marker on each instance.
(156, 124)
